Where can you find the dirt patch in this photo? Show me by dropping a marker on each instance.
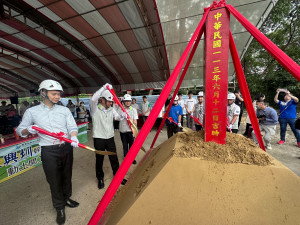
(238, 149)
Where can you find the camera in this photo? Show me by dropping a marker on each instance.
(283, 90)
(261, 116)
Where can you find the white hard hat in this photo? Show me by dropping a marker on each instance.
(200, 94)
(107, 95)
(50, 85)
(127, 97)
(176, 98)
(231, 96)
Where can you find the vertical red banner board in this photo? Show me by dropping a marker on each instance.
(216, 53)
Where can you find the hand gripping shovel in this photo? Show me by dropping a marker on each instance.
(130, 123)
(172, 121)
(227, 124)
(61, 138)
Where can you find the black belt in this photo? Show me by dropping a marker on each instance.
(55, 146)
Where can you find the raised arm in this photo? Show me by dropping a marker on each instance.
(276, 96)
(94, 100)
(293, 97)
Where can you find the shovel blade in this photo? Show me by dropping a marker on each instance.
(105, 153)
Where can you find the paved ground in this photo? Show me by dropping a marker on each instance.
(26, 199)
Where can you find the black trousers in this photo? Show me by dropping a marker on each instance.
(127, 141)
(108, 145)
(240, 118)
(57, 164)
(145, 118)
(172, 129)
(116, 124)
(247, 129)
(159, 120)
(233, 130)
(198, 127)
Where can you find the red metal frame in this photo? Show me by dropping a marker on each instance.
(159, 104)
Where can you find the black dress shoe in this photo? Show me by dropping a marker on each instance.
(71, 203)
(61, 216)
(123, 181)
(101, 184)
(134, 162)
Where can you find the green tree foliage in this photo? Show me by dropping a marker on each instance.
(263, 73)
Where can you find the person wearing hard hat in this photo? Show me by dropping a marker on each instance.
(199, 111)
(126, 134)
(175, 113)
(57, 157)
(233, 112)
(103, 116)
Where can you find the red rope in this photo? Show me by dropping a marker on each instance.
(245, 91)
(111, 190)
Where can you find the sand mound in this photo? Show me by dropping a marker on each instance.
(238, 149)
(182, 183)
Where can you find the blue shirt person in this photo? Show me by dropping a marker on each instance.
(176, 114)
(287, 115)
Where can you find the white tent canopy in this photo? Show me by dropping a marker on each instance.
(133, 44)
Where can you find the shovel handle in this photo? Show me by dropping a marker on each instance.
(119, 103)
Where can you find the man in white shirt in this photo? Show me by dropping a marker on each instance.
(199, 111)
(233, 112)
(189, 106)
(103, 130)
(135, 105)
(146, 107)
(125, 131)
(57, 157)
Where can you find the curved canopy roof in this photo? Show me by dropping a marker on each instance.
(86, 43)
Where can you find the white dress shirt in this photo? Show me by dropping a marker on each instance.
(56, 119)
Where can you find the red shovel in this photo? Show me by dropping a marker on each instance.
(130, 123)
(61, 138)
(172, 121)
(196, 120)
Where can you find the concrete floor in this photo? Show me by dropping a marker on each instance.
(26, 198)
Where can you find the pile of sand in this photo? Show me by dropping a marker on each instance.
(238, 149)
(187, 181)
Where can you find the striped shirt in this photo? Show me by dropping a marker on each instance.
(56, 119)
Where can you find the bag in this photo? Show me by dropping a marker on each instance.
(297, 124)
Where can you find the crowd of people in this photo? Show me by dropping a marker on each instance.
(266, 115)
(57, 158)
(10, 116)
